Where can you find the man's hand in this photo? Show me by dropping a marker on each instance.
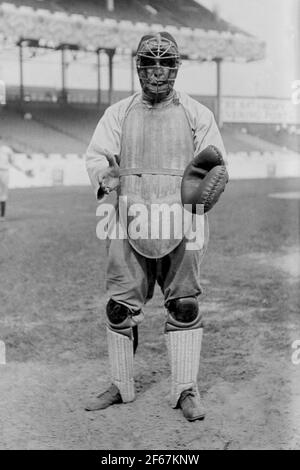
(110, 178)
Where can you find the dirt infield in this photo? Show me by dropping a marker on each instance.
(51, 314)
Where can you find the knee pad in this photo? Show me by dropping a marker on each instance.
(183, 314)
(124, 321)
(117, 314)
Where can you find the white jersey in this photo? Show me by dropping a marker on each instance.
(5, 155)
(108, 133)
(153, 144)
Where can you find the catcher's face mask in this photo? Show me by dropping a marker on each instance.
(157, 61)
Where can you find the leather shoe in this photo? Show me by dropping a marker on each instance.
(191, 406)
(110, 397)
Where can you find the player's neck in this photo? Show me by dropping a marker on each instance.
(155, 101)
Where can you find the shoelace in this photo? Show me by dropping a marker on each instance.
(188, 393)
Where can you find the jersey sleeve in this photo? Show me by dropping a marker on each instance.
(207, 133)
(204, 127)
(106, 139)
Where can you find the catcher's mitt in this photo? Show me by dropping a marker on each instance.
(204, 179)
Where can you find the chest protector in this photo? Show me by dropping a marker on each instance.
(156, 146)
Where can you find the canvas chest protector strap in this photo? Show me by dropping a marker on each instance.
(149, 171)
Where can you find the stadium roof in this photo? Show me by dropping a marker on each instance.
(167, 12)
(90, 25)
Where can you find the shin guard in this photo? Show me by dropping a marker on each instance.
(120, 352)
(184, 348)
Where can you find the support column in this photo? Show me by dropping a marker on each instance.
(219, 92)
(110, 53)
(21, 63)
(63, 75)
(98, 77)
(132, 65)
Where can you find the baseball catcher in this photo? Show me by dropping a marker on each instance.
(6, 161)
(157, 146)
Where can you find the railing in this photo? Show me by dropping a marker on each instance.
(69, 170)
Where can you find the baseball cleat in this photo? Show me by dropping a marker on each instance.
(191, 406)
(108, 398)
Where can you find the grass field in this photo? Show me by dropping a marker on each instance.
(52, 301)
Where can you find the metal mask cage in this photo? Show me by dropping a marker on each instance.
(170, 62)
(158, 53)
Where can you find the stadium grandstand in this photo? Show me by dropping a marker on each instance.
(188, 14)
(43, 120)
(44, 128)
